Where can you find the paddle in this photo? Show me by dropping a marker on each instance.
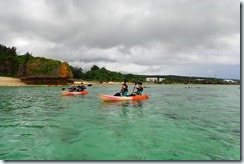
(125, 80)
(134, 88)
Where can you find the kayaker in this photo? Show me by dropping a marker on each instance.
(139, 88)
(123, 91)
(73, 88)
(81, 87)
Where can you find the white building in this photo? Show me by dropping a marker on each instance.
(161, 79)
(151, 79)
(230, 81)
(154, 79)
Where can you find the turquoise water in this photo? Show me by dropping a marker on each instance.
(176, 123)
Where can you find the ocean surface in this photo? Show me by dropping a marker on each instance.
(201, 122)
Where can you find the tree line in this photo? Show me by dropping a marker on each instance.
(10, 61)
(11, 64)
(104, 75)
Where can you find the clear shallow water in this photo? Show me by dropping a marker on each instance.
(176, 123)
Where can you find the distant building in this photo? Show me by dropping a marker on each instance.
(230, 81)
(151, 79)
(161, 79)
(154, 79)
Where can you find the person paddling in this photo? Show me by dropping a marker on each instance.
(81, 87)
(123, 91)
(139, 88)
(72, 89)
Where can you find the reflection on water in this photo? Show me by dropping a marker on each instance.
(114, 103)
(126, 108)
(136, 103)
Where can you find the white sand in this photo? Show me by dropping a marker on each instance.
(10, 81)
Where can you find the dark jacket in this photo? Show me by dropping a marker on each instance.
(81, 88)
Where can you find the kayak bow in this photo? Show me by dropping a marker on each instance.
(122, 98)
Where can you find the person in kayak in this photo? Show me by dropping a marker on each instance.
(139, 88)
(123, 91)
(81, 87)
(72, 89)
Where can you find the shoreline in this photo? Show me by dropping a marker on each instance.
(12, 81)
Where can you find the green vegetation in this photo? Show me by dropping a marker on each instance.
(27, 66)
(23, 59)
(77, 72)
(8, 61)
(104, 75)
(40, 66)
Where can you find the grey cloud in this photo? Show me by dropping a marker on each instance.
(95, 23)
(146, 33)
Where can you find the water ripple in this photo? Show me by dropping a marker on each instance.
(176, 123)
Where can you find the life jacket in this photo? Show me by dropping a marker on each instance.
(124, 92)
(139, 91)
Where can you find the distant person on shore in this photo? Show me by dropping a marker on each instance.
(81, 87)
(123, 91)
(139, 88)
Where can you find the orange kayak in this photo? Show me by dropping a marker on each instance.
(122, 98)
(67, 93)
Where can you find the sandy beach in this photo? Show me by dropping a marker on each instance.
(10, 81)
(77, 82)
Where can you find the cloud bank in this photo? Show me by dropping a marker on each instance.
(181, 37)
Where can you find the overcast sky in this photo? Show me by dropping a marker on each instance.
(161, 37)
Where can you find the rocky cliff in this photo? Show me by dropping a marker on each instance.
(39, 70)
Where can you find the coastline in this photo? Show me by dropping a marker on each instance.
(11, 81)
